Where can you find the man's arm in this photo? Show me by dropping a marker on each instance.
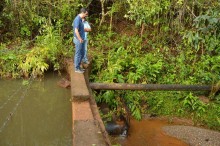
(78, 35)
(87, 28)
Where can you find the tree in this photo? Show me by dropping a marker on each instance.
(143, 12)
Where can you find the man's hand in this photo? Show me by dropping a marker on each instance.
(87, 29)
(81, 40)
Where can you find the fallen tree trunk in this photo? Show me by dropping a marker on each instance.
(149, 87)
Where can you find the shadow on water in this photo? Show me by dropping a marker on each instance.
(42, 118)
(147, 133)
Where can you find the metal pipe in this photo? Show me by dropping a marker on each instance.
(149, 87)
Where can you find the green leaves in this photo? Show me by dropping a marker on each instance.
(126, 62)
(34, 62)
(143, 11)
(205, 36)
(192, 103)
(136, 113)
(8, 62)
(22, 61)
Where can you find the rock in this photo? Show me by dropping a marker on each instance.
(64, 83)
(118, 127)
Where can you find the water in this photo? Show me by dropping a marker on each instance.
(42, 119)
(147, 133)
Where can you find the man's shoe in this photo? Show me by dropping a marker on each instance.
(79, 71)
(82, 69)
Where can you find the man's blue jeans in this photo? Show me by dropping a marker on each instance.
(85, 58)
(79, 53)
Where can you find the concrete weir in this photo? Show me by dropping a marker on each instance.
(88, 128)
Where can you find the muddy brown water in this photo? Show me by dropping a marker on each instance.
(147, 132)
(43, 118)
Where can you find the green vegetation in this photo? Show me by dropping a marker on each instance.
(158, 41)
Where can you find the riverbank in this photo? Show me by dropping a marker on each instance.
(186, 131)
(194, 136)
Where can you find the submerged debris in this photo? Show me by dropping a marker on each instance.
(64, 83)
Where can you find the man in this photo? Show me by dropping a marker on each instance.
(79, 37)
(87, 29)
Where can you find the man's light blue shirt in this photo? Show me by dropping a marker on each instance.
(86, 25)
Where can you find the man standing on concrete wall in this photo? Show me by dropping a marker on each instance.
(79, 36)
(87, 29)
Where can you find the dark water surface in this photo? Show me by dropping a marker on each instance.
(147, 133)
(43, 117)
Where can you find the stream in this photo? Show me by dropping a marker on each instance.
(147, 132)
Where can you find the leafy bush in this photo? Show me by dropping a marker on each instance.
(123, 62)
(8, 62)
(47, 52)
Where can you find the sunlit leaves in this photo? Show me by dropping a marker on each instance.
(142, 11)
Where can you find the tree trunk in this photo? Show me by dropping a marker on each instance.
(110, 27)
(103, 12)
(142, 29)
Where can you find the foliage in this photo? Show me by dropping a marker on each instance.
(192, 103)
(45, 23)
(122, 60)
(24, 18)
(144, 11)
(8, 62)
(128, 68)
(206, 35)
(48, 50)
